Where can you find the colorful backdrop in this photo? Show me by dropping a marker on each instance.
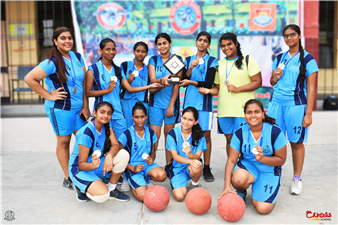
(258, 25)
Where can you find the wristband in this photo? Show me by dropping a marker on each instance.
(274, 79)
(108, 90)
(85, 107)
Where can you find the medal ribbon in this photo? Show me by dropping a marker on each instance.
(103, 71)
(144, 139)
(226, 71)
(289, 59)
(183, 137)
(164, 69)
(101, 136)
(141, 75)
(203, 62)
(261, 141)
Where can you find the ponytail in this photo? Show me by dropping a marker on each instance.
(302, 69)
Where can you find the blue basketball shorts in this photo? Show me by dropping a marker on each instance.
(64, 122)
(157, 116)
(140, 179)
(205, 120)
(82, 179)
(290, 120)
(227, 125)
(266, 186)
(127, 105)
(119, 126)
(180, 178)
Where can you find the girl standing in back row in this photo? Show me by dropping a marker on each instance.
(293, 80)
(64, 73)
(201, 73)
(164, 104)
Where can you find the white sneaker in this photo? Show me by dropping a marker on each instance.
(125, 185)
(296, 187)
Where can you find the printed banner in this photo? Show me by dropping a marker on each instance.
(258, 26)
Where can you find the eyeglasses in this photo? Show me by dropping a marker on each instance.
(292, 35)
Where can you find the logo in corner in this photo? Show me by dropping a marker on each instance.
(110, 16)
(9, 215)
(318, 216)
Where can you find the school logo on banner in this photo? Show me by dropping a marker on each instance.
(262, 16)
(110, 16)
(185, 17)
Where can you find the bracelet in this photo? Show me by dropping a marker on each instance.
(85, 107)
(274, 79)
(108, 90)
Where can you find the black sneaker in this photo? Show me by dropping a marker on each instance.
(118, 196)
(208, 177)
(67, 183)
(166, 168)
(81, 197)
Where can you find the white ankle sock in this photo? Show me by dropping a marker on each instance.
(193, 183)
(111, 186)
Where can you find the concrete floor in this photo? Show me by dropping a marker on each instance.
(32, 183)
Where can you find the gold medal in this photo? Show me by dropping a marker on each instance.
(74, 90)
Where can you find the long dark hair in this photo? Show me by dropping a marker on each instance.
(302, 69)
(233, 38)
(103, 44)
(267, 118)
(54, 52)
(140, 106)
(196, 129)
(107, 143)
(204, 33)
(141, 43)
(162, 35)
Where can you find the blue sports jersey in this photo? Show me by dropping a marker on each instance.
(199, 73)
(136, 146)
(72, 101)
(89, 137)
(141, 80)
(102, 78)
(162, 98)
(288, 90)
(175, 142)
(272, 139)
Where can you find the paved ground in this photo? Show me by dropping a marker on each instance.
(32, 186)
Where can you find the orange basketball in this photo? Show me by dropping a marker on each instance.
(156, 198)
(198, 201)
(231, 207)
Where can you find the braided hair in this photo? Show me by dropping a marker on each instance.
(54, 52)
(302, 69)
(196, 132)
(103, 44)
(233, 38)
(267, 118)
(107, 143)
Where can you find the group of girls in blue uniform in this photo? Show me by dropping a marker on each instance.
(122, 138)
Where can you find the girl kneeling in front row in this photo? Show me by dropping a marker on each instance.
(186, 144)
(96, 156)
(139, 141)
(262, 146)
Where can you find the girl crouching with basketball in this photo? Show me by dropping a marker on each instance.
(96, 156)
(186, 144)
(139, 141)
(262, 146)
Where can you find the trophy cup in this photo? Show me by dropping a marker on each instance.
(174, 65)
